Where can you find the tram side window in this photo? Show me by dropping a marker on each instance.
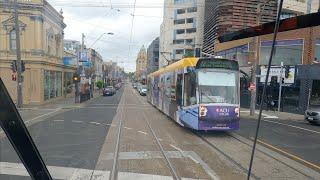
(179, 89)
(190, 89)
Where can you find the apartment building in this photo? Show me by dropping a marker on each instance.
(181, 32)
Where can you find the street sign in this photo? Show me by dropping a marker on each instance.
(83, 57)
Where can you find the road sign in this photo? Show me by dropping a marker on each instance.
(83, 57)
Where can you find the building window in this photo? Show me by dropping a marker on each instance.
(290, 52)
(179, 21)
(180, 31)
(189, 41)
(178, 41)
(13, 43)
(179, 51)
(192, 30)
(192, 9)
(190, 20)
(181, 11)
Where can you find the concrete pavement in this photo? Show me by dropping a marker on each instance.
(80, 143)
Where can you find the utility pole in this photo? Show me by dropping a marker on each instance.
(254, 66)
(82, 50)
(18, 51)
(280, 87)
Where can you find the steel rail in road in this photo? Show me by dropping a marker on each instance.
(170, 166)
(114, 171)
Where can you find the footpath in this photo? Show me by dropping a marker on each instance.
(245, 113)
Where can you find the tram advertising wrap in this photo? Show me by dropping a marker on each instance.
(201, 94)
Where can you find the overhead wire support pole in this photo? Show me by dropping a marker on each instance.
(276, 28)
(18, 52)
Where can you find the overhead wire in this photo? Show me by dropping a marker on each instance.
(132, 25)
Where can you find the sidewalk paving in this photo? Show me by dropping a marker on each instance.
(62, 103)
(245, 113)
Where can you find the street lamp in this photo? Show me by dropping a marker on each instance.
(109, 33)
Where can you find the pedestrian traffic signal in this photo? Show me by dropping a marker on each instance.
(14, 66)
(287, 71)
(23, 66)
(76, 78)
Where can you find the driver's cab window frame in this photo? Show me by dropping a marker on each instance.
(190, 88)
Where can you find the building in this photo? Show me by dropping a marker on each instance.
(94, 66)
(224, 16)
(112, 73)
(297, 49)
(181, 32)
(41, 29)
(293, 8)
(153, 56)
(141, 64)
(71, 45)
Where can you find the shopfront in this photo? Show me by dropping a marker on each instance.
(52, 84)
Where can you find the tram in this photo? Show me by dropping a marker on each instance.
(198, 93)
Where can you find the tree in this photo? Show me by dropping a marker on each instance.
(100, 84)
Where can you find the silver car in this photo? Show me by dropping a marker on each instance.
(312, 114)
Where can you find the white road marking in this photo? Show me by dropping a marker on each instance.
(58, 109)
(77, 121)
(142, 132)
(57, 172)
(297, 127)
(180, 150)
(95, 123)
(160, 139)
(127, 128)
(57, 120)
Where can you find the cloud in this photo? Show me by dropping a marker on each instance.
(93, 18)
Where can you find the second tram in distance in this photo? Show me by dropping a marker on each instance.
(199, 93)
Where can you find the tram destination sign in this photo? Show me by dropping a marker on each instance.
(217, 63)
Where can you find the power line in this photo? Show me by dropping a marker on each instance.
(132, 21)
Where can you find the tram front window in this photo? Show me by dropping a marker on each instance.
(218, 87)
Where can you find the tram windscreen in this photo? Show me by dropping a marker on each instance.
(218, 87)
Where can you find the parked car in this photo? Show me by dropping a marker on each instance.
(109, 91)
(312, 115)
(143, 90)
(117, 86)
(139, 87)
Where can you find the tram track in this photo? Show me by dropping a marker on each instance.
(233, 161)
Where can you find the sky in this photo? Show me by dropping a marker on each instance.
(93, 18)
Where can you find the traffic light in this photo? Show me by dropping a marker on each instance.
(14, 66)
(282, 81)
(14, 77)
(23, 66)
(76, 78)
(287, 71)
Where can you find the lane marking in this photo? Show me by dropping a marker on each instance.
(57, 120)
(142, 132)
(289, 154)
(127, 128)
(77, 121)
(297, 127)
(180, 150)
(58, 109)
(95, 123)
(59, 172)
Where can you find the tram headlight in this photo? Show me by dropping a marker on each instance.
(202, 111)
(237, 111)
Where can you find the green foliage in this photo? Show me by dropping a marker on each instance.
(100, 84)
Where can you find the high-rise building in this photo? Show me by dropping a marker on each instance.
(153, 56)
(293, 8)
(224, 16)
(181, 32)
(141, 64)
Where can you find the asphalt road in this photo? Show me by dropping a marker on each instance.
(297, 138)
(72, 138)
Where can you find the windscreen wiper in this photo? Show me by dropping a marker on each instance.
(19, 137)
